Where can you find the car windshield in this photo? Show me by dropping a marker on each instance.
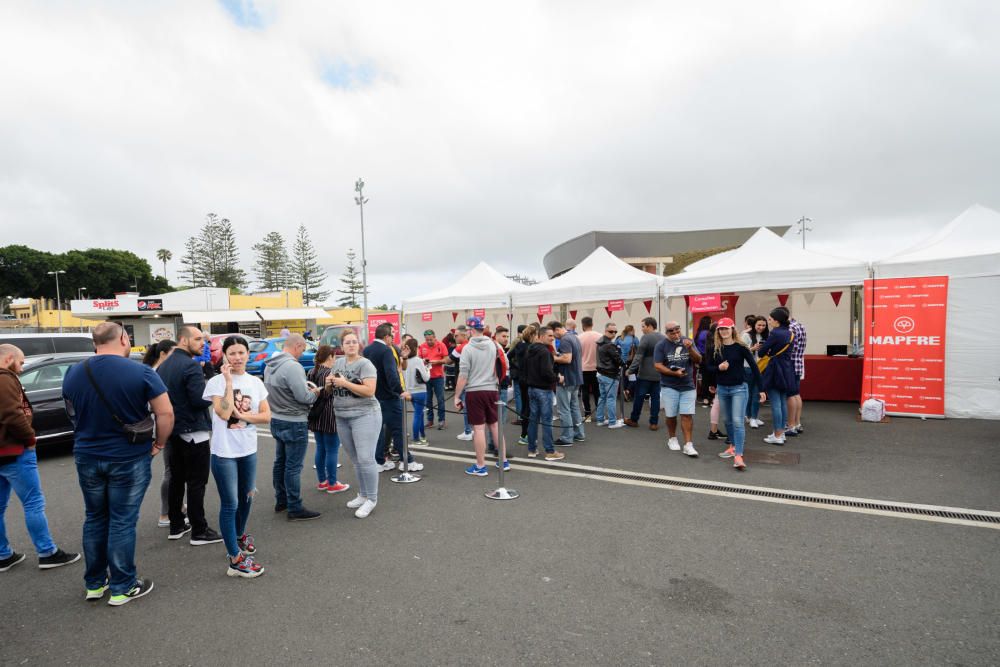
(258, 346)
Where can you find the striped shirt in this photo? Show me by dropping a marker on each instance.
(798, 348)
(322, 418)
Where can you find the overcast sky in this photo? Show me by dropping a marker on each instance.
(491, 131)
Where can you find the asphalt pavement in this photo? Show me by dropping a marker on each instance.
(576, 571)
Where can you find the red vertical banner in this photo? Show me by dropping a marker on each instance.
(905, 321)
(375, 319)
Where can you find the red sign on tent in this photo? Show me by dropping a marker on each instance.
(375, 319)
(426, 317)
(545, 310)
(705, 303)
(616, 304)
(479, 312)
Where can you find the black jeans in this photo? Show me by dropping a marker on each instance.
(392, 430)
(525, 408)
(189, 465)
(590, 388)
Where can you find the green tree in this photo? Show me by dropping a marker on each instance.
(353, 287)
(23, 272)
(271, 262)
(191, 271)
(164, 256)
(211, 259)
(306, 272)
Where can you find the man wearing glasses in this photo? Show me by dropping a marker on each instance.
(674, 358)
(609, 366)
(103, 395)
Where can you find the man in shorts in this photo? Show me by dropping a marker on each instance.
(674, 358)
(477, 378)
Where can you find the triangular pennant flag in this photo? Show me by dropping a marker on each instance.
(809, 296)
(608, 311)
(687, 300)
(454, 316)
(539, 317)
(649, 305)
(572, 314)
(836, 297)
(510, 316)
(782, 299)
(733, 298)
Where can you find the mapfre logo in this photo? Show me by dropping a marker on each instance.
(904, 325)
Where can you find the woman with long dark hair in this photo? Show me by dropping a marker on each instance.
(753, 339)
(779, 374)
(323, 424)
(626, 343)
(528, 336)
(155, 355)
(701, 338)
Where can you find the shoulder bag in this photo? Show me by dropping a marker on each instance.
(137, 433)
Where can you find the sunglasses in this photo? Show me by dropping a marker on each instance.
(673, 329)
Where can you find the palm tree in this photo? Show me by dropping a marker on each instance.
(164, 256)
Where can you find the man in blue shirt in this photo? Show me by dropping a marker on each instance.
(569, 365)
(103, 395)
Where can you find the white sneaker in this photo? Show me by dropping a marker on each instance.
(464, 436)
(690, 450)
(365, 509)
(674, 445)
(617, 424)
(388, 465)
(357, 502)
(414, 466)
(600, 423)
(755, 424)
(771, 440)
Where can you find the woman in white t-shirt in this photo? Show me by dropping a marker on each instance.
(239, 403)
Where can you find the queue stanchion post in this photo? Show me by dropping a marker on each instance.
(501, 492)
(405, 477)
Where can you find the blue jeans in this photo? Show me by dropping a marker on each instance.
(540, 401)
(753, 404)
(501, 418)
(21, 476)
(392, 426)
(607, 400)
(291, 440)
(733, 406)
(779, 409)
(419, 400)
(570, 417)
(112, 495)
(640, 390)
(237, 483)
(327, 449)
(435, 389)
(515, 387)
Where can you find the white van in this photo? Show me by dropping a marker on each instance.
(39, 344)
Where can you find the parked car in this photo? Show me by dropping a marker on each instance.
(42, 378)
(331, 336)
(215, 342)
(38, 344)
(262, 350)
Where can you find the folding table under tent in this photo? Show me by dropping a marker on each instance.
(967, 250)
(819, 289)
(586, 289)
(481, 288)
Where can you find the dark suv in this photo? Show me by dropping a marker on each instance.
(42, 378)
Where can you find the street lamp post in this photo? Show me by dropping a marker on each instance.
(803, 223)
(58, 297)
(360, 200)
(79, 293)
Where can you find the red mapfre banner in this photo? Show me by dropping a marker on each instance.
(905, 320)
(375, 319)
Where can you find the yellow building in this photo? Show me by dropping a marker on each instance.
(42, 313)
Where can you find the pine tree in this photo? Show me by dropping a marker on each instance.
(271, 262)
(354, 288)
(228, 272)
(307, 274)
(211, 259)
(192, 263)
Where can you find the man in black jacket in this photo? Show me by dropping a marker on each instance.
(609, 366)
(390, 393)
(538, 372)
(188, 450)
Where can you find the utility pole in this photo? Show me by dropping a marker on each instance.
(58, 297)
(360, 200)
(803, 228)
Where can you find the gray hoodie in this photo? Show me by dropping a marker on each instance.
(478, 365)
(287, 393)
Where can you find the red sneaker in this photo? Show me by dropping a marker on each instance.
(738, 463)
(322, 486)
(338, 488)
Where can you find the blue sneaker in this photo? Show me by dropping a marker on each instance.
(477, 471)
(506, 465)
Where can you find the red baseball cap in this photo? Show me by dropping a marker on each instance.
(725, 322)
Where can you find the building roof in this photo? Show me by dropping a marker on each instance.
(568, 254)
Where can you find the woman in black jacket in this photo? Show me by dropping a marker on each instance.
(528, 336)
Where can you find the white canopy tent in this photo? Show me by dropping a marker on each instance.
(599, 277)
(967, 250)
(766, 262)
(483, 287)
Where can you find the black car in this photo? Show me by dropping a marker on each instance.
(42, 378)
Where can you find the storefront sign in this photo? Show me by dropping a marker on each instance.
(905, 320)
(426, 317)
(150, 305)
(375, 319)
(705, 303)
(160, 332)
(616, 304)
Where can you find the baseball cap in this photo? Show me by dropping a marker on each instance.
(429, 332)
(726, 322)
(475, 323)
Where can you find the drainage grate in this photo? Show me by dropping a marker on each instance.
(892, 507)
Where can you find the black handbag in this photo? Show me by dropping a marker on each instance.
(137, 433)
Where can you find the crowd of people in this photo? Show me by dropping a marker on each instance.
(204, 420)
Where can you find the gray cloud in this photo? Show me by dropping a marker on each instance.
(492, 132)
